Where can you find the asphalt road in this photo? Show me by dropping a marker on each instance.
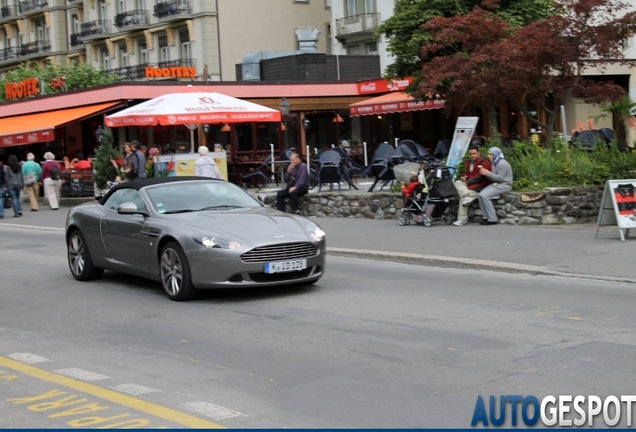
(373, 344)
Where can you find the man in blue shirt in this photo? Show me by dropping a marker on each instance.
(297, 184)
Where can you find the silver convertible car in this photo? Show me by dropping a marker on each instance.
(192, 233)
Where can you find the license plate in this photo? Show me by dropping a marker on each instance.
(285, 266)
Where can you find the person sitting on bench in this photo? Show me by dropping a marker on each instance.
(501, 177)
(297, 184)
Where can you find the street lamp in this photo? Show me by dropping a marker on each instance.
(99, 134)
(284, 110)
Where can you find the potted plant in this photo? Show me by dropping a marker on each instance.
(104, 169)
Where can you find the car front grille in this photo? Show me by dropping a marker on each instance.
(280, 252)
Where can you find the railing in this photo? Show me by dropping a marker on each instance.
(132, 18)
(173, 63)
(8, 53)
(95, 28)
(128, 72)
(36, 47)
(76, 39)
(30, 5)
(170, 8)
(139, 71)
(357, 24)
(6, 12)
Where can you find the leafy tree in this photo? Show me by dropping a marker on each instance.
(620, 110)
(480, 56)
(406, 36)
(77, 76)
(105, 171)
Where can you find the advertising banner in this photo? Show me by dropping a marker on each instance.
(464, 130)
(618, 206)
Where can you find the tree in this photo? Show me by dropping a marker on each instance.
(620, 110)
(480, 56)
(406, 36)
(77, 76)
(105, 171)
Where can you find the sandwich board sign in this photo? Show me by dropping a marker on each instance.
(618, 206)
(464, 129)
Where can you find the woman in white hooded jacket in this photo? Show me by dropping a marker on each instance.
(205, 166)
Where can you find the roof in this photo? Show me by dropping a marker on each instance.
(144, 182)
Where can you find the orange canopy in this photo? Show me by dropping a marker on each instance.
(33, 128)
(392, 103)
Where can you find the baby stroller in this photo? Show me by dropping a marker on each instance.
(432, 199)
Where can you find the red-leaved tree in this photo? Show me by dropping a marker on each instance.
(478, 59)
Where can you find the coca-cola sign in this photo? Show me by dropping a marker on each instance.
(383, 86)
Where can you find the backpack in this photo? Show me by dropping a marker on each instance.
(55, 172)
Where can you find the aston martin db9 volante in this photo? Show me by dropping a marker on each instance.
(191, 233)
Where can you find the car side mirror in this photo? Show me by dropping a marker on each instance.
(129, 208)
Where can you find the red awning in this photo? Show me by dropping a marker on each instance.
(392, 103)
(39, 127)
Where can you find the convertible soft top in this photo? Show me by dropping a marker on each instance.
(143, 182)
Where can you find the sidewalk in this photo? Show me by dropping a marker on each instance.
(552, 249)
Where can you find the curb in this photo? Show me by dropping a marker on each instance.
(427, 260)
(466, 263)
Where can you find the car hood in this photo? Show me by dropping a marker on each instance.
(254, 226)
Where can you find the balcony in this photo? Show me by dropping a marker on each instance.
(188, 62)
(6, 12)
(95, 30)
(131, 19)
(76, 40)
(37, 47)
(174, 9)
(129, 72)
(8, 53)
(30, 5)
(356, 24)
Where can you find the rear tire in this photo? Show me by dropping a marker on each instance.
(448, 219)
(427, 221)
(404, 219)
(175, 273)
(79, 258)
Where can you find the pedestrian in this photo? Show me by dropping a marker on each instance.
(31, 172)
(2, 189)
(14, 182)
(137, 162)
(205, 166)
(471, 182)
(297, 184)
(51, 180)
(501, 178)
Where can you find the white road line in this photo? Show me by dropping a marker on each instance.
(27, 358)
(17, 333)
(133, 389)
(32, 227)
(210, 410)
(81, 374)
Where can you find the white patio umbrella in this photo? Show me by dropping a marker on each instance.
(192, 109)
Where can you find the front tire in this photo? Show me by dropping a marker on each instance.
(79, 258)
(175, 273)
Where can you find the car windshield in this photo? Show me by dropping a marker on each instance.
(191, 196)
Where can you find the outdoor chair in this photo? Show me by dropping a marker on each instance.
(348, 166)
(380, 167)
(330, 169)
(442, 149)
(259, 173)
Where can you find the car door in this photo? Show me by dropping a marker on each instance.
(123, 234)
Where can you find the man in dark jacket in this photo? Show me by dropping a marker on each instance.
(297, 184)
(471, 182)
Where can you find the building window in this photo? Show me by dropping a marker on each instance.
(369, 6)
(328, 38)
(164, 49)
(143, 51)
(352, 7)
(105, 59)
(121, 6)
(102, 10)
(353, 50)
(123, 56)
(372, 48)
(327, 4)
(77, 26)
(141, 4)
(40, 29)
(185, 45)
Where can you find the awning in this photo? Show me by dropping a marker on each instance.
(392, 103)
(34, 128)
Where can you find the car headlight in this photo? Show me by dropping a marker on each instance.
(315, 232)
(212, 241)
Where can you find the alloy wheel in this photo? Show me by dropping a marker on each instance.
(76, 255)
(171, 272)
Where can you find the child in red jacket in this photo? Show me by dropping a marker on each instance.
(408, 190)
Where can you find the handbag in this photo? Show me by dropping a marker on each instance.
(30, 179)
(6, 199)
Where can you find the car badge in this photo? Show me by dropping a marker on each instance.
(279, 236)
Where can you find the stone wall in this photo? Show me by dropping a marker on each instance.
(549, 206)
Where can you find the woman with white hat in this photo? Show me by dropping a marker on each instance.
(52, 180)
(205, 166)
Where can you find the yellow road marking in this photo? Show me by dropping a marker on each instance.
(110, 395)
